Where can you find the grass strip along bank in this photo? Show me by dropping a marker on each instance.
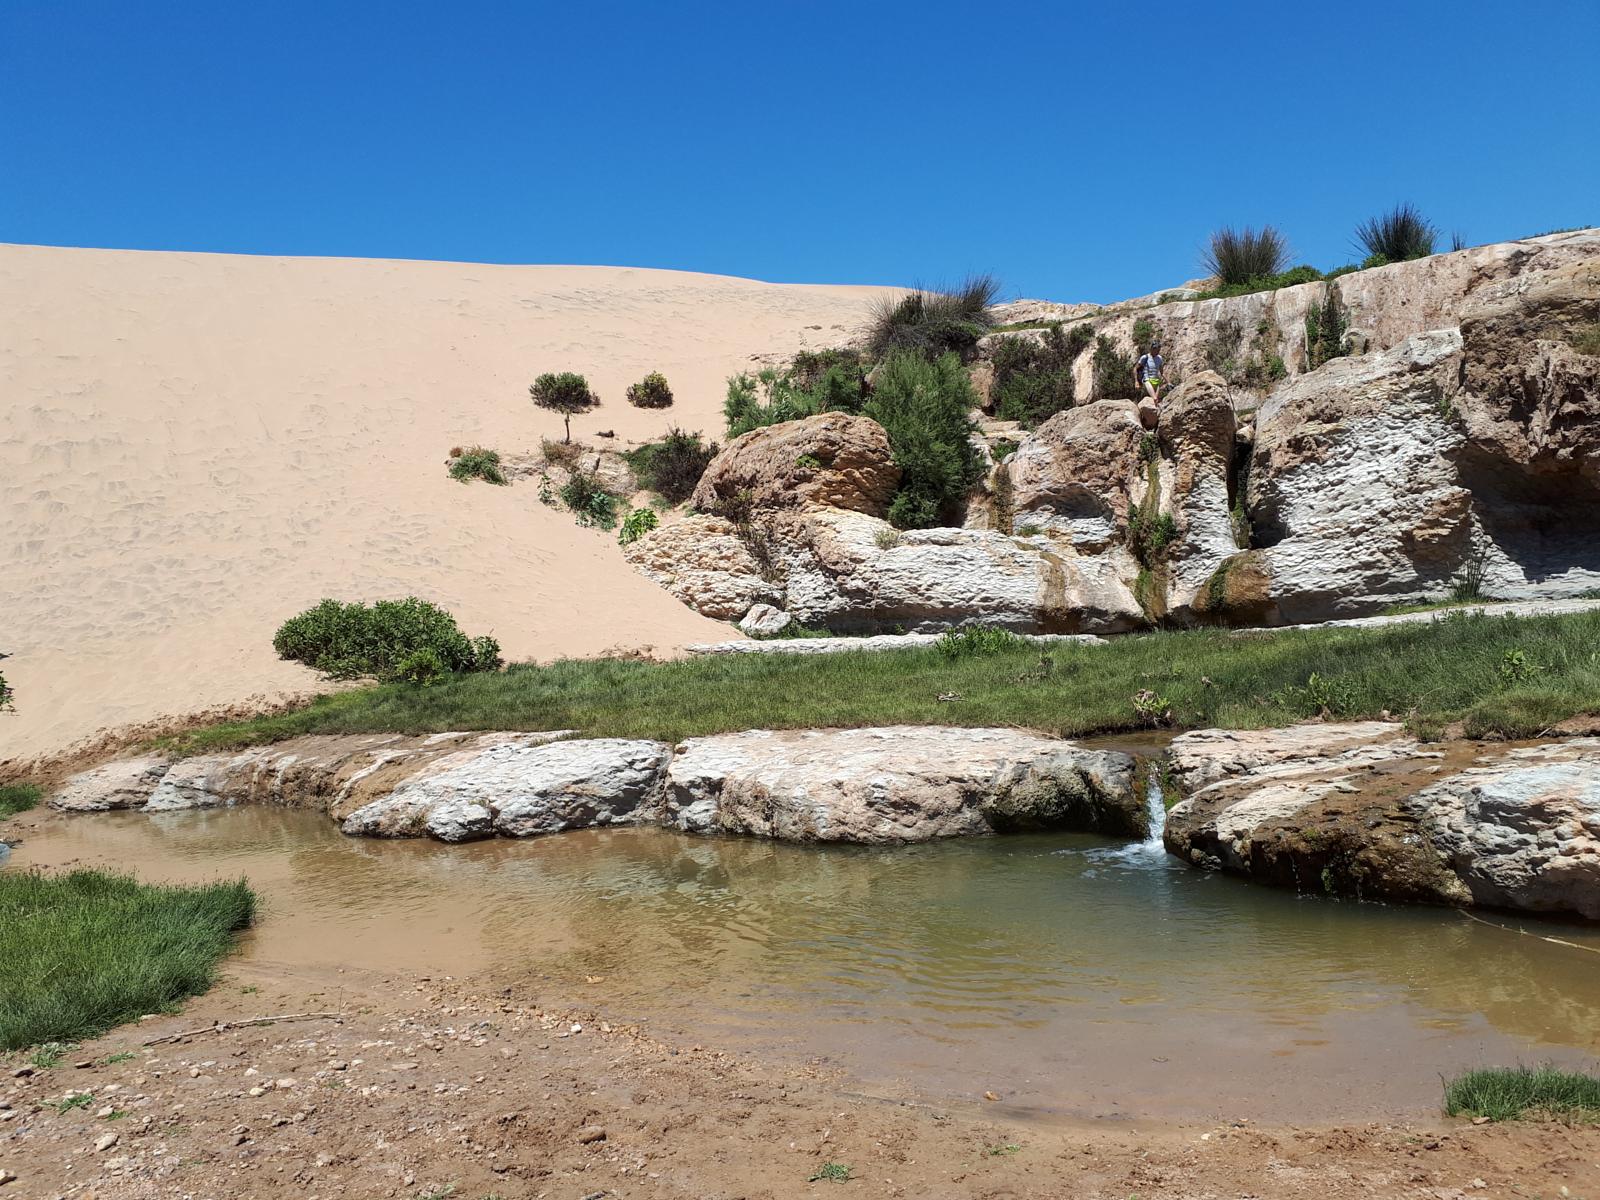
(82, 952)
(1507, 1093)
(1499, 676)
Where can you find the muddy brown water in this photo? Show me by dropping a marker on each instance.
(1066, 974)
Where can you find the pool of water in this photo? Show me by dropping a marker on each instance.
(1062, 973)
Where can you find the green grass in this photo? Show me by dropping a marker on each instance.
(82, 952)
(1445, 670)
(1507, 1093)
(833, 1172)
(17, 797)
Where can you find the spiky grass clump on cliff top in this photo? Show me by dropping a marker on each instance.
(1240, 256)
(931, 323)
(1397, 236)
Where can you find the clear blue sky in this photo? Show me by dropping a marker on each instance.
(1077, 151)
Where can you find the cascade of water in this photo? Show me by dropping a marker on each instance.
(1156, 804)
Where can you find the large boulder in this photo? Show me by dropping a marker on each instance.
(1521, 830)
(897, 784)
(1363, 809)
(519, 790)
(833, 459)
(1354, 499)
(1198, 436)
(1073, 476)
(709, 563)
(854, 573)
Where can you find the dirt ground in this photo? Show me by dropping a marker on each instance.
(426, 1087)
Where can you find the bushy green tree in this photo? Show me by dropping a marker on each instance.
(1033, 380)
(650, 392)
(671, 467)
(926, 408)
(566, 393)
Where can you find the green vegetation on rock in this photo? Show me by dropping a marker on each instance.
(934, 323)
(1507, 1093)
(1434, 673)
(671, 467)
(1399, 235)
(1236, 257)
(82, 952)
(1033, 380)
(925, 407)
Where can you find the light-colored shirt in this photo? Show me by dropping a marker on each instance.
(1150, 366)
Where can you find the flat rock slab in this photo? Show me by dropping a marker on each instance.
(896, 784)
(882, 641)
(520, 790)
(1363, 809)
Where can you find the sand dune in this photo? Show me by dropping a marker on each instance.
(196, 446)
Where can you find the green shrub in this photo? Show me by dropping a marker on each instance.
(1033, 380)
(587, 498)
(650, 392)
(1003, 448)
(1326, 325)
(478, 463)
(1374, 260)
(976, 640)
(7, 694)
(636, 524)
(1587, 339)
(18, 797)
(1113, 371)
(351, 641)
(1397, 236)
(87, 950)
(566, 393)
(1241, 256)
(816, 382)
(934, 323)
(1144, 332)
(808, 367)
(671, 468)
(1267, 283)
(1506, 1093)
(925, 407)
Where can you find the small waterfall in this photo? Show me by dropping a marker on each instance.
(1155, 801)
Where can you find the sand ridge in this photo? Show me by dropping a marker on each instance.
(196, 446)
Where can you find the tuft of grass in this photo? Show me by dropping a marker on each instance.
(1443, 670)
(1507, 1093)
(1241, 256)
(48, 1055)
(85, 951)
(1587, 339)
(478, 463)
(833, 1172)
(18, 797)
(932, 322)
(1397, 236)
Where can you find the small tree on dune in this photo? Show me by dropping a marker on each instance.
(566, 393)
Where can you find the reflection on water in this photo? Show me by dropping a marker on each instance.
(1059, 971)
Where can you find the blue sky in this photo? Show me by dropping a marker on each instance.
(1076, 151)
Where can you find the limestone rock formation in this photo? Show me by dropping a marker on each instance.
(1074, 476)
(896, 784)
(707, 563)
(520, 790)
(1522, 830)
(833, 459)
(124, 783)
(1363, 809)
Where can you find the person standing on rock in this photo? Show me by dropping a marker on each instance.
(1148, 381)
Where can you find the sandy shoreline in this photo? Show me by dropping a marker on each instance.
(197, 446)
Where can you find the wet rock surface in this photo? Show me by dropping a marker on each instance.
(896, 784)
(1364, 809)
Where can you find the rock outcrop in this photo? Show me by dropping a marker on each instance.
(870, 785)
(1451, 443)
(834, 460)
(1363, 809)
(520, 790)
(897, 784)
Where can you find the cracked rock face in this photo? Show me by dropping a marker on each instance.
(1363, 809)
(1522, 831)
(896, 784)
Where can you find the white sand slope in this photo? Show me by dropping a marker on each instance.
(196, 446)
